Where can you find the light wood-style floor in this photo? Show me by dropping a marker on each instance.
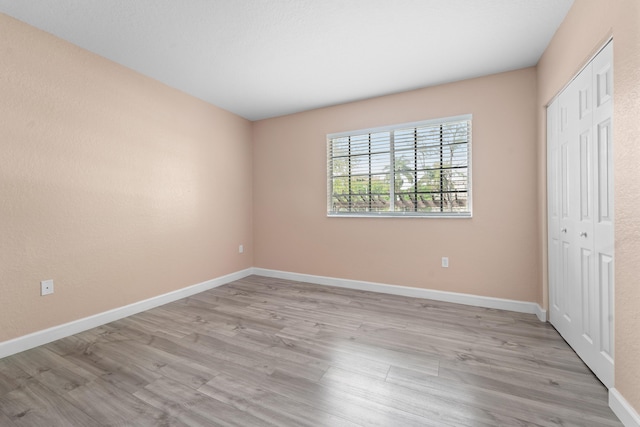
(263, 351)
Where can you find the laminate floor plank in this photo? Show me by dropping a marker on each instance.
(429, 406)
(5, 421)
(361, 357)
(35, 405)
(263, 361)
(527, 391)
(112, 406)
(266, 404)
(179, 400)
(11, 376)
(560, 412)
(56, 378)
(272, 352)
(547, 381)
(353, 408)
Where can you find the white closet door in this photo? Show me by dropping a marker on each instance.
(603, 213)
(580, 214)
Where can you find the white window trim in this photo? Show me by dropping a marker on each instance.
(392, 128)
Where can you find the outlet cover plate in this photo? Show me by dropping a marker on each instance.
(46, 287)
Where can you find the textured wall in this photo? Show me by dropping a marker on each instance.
(587, 26)
(112, 184)
(492, 254)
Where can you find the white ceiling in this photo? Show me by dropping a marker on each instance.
(265, 58)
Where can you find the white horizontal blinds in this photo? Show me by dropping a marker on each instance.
(360, 173)
(432, 168)
(419, 169)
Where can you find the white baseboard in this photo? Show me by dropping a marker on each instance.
(459, 298)
(45, 336)
(541, 313)
(622, 409)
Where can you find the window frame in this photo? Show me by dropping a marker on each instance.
(391, 129)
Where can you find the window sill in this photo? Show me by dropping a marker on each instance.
(445, 215)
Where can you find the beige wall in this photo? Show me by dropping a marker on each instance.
(493, 254)
(587, 26)
(112, 184)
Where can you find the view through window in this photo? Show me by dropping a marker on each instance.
(417, 169)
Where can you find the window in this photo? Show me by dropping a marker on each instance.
(415, 169)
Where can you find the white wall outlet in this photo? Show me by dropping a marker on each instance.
(46, 287)
(445, 261)
(240, 249)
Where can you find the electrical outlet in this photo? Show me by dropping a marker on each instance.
(445, 261)
(46, 287)
(240, 249)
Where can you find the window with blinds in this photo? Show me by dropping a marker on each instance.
(416, 169)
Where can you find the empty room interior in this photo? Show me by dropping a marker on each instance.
(340, 213)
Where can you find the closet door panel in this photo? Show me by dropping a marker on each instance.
(553, 212)
(602, 126)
